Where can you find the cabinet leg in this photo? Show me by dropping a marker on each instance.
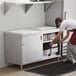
(21, 67)
(58, 58)
(9, 64)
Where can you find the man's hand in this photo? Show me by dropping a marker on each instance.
(51, 43)
(60, 41)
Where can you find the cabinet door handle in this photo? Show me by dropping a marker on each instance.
(40, 37)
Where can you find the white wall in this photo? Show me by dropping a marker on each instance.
(69, 7)
(16, 18)
(53, 13)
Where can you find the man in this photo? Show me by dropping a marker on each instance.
(68, 24)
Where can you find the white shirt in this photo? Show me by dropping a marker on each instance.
(68, 24)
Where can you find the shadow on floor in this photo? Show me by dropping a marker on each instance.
(56, 69)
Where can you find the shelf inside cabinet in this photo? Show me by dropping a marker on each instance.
(48, 37)
(50, 52)
(47, 41)
(50, 57)
(64, 54)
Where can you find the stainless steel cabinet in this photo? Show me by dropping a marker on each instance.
(23, 49)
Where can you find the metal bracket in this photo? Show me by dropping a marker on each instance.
(7, 6)
(27, 7)
(48, 5)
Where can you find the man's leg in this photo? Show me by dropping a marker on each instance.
(69, 55)
(70, 52)
(73, 50)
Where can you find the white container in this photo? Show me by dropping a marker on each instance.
(54, 50)
(46, 52)
(55, 45)
(44, 37)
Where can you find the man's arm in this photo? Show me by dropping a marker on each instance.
(67, 35)
(56, 38)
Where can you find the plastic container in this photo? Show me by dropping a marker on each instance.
(47, 52)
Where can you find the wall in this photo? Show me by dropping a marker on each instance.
(53, 13)
(71, 13)
(16, 18)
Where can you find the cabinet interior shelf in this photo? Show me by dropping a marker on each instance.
(47, 41)
(52, 56)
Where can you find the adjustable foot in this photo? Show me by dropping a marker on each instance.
(21, 67)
